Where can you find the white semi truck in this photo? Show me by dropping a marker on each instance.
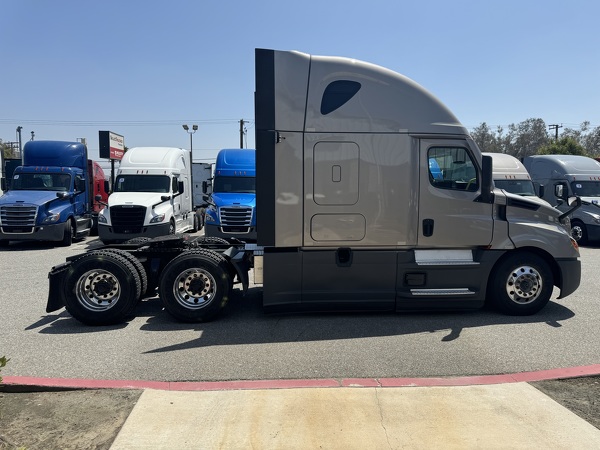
(576, 176)
(152, 196)
(370, 196)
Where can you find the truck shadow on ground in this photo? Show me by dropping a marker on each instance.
(244, 322)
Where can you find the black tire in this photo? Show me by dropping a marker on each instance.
(67, 239)
(195, 286)
(521, 284)
(137, 240)
(94, 226)
(579, 232)
(139, 267)
(101, 288)
(195, 227)
(212, 240)
(200, 215)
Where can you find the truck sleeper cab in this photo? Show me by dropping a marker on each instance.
(353, 211)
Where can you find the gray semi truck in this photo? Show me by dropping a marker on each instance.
(577, 176)
(370, 196)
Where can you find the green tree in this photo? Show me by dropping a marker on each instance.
(565, 145)
(486, 139)
(525, 138)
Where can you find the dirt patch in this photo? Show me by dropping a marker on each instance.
(580, 395)
(91, 419)
(83, 420)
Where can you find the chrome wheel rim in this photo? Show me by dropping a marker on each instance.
(577, 232)
(98, 290)
(194, 288)
(524, 285)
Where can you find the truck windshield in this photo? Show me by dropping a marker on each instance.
(41, 182)
(519, 187)
(143, 183)
(234, 184)
(586, 188)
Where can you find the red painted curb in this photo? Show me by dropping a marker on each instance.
(77, 383)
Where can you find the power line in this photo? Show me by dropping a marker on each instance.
(121, 123)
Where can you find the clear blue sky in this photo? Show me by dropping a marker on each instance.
(143, 68)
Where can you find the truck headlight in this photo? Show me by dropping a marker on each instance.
(51, 218)
(102, 218)
(157, 219)
(208, 218)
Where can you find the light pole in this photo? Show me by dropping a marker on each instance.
(190, 132)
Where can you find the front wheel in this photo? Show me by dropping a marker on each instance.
(195, 286)
(67, 239)
(521, 284)
(578, 232)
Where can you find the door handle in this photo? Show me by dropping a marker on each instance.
(427, 227)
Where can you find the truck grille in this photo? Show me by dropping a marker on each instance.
(236, 219)
(127, 219)
(18, 218)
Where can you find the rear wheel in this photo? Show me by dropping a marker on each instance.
(101, 288)
(195, 286)
(139, 267)
(521, 284)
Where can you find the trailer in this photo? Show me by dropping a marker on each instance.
(370, 196)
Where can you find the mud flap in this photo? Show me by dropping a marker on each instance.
(56, 296)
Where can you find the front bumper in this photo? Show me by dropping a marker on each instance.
(593, 232)
(53, 232)
(570, 276)
(106, 233)
(217, 231)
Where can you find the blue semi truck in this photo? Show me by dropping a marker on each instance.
(231, 210)
(55, 195)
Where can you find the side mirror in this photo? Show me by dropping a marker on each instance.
(106, 186)
(561, 191)
(3, 184)
(62, 195)
(204, 187)
(180, 186)
(541, 191)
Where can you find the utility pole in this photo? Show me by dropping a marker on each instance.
(556, 127)
(19, 128)
(242, 133)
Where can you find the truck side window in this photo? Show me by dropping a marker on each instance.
(452, 168)
(337, 93)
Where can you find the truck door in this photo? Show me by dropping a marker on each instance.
(450, 214)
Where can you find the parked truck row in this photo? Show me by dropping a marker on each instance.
(371, 196)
